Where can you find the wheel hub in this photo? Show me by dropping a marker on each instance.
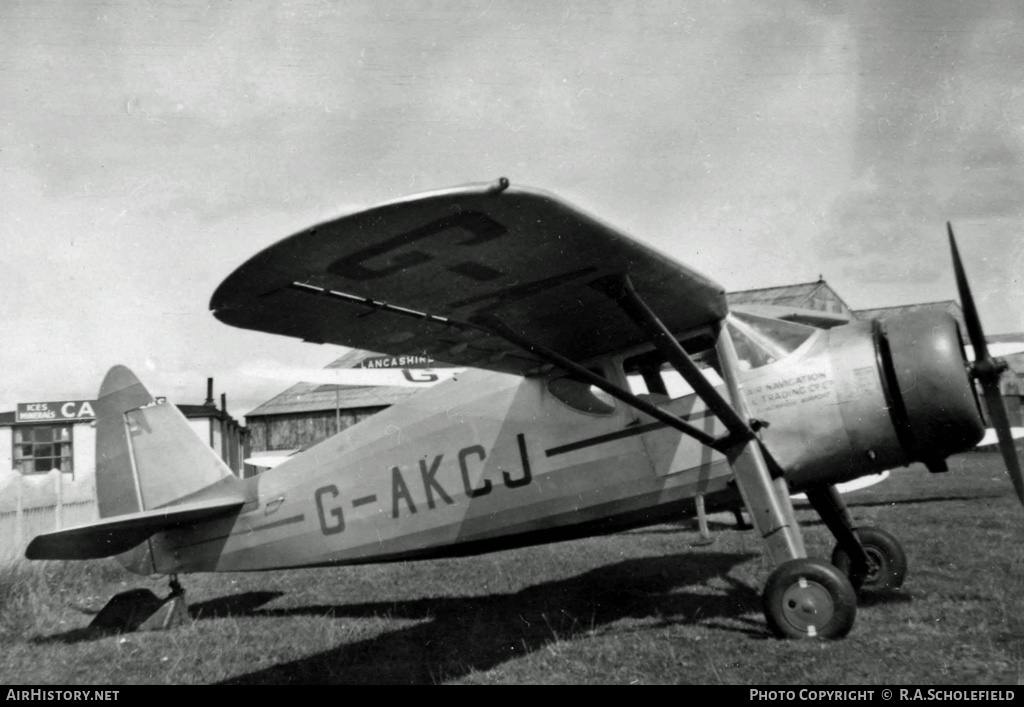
(875, 564)
(807, 605)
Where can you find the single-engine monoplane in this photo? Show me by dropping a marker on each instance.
(608, 386)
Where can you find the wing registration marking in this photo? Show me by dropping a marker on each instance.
(482, 228)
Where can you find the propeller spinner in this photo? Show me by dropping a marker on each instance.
(987, 370)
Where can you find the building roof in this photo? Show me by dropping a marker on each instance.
(315, 397)
(807, 295)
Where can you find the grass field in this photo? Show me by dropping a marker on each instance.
(645, 606)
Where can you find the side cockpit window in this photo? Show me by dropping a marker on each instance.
(760, 341)
(650, 374)
(582, 397)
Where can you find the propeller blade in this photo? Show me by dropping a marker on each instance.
(1001, 423)
(974, 332)
(988, 371)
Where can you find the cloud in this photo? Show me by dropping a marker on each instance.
(939, 138)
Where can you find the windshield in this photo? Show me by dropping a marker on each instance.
(762, 340)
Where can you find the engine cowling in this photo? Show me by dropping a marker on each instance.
(933, 405)
(868, 396)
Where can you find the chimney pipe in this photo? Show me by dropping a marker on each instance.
(209, 392)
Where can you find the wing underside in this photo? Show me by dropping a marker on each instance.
(426, 274)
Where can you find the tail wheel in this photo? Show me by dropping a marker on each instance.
(887, 563)
(809, 599)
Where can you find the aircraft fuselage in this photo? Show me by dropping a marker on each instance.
(492, 460)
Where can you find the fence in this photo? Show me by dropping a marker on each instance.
(31, 505)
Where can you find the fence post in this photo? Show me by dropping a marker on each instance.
(58, 510)
(19, 516)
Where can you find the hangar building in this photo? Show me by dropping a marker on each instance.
(307, 413)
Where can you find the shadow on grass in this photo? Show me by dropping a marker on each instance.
(238, 604)
(459, 635)
(235, 605)
(687, 525)
(895, 501)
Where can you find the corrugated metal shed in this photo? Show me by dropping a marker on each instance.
(307, 413)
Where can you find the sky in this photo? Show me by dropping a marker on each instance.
(149, 148)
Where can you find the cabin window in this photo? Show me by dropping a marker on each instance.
(42, 448)
(582, 397)
(760, 341)
(651, 375)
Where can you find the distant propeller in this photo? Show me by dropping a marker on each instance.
(987, 370)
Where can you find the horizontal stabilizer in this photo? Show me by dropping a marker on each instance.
(112, 536)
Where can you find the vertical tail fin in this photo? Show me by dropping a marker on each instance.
(147, 454)
(153, 473)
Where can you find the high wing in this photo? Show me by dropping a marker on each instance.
(431, 273)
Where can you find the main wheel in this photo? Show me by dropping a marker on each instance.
(809, 599)
(887, 563)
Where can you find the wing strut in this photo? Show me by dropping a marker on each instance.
(499, 328)
(766, 499)
(621, 290)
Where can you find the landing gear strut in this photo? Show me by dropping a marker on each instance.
(887, 563)
(141, 610)
(872, 558)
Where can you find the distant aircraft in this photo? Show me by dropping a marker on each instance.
(573, 427)
(998, 349)
(858, 484)
(991, 437)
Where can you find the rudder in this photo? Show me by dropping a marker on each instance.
(147, 454)
(153, 474)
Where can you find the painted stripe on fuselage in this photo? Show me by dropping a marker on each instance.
(623, 434)
(278, 523)
(248, 529)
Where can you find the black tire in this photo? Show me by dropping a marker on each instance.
(887, 563)
(809, 599)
